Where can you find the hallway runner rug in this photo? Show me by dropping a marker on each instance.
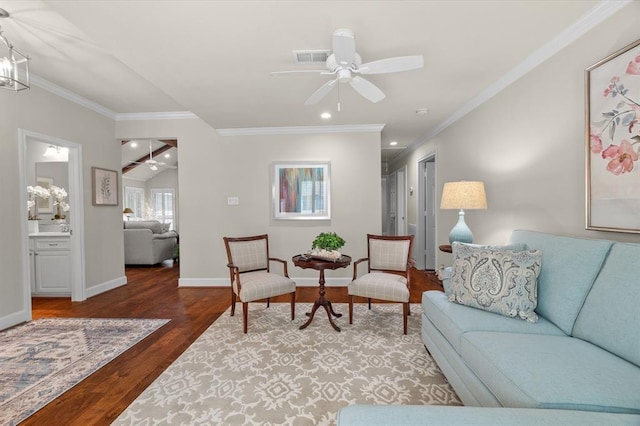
(42, 359)
(280, 375)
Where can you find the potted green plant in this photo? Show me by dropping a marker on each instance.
(327, 245)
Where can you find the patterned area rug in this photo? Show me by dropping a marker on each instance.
(42, 359)
(277, 374)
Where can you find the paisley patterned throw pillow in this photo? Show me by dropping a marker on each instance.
(499, 281)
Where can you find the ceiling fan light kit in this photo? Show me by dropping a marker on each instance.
(345, 64)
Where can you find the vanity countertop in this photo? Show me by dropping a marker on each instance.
(49, 234)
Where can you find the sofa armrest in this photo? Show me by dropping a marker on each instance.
(446, 279)
(138, 246)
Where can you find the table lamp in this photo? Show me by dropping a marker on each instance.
(128, 212)
(463, 195)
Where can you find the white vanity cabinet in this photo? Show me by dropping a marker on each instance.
(50, 254)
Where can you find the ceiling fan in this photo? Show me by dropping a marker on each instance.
(153, 164)
(346, 65)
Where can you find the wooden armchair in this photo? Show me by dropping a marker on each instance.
(251, 278)
(387, 278)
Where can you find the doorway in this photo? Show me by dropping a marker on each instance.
(28, 140)
(425, 250)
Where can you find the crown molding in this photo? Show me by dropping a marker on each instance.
(71, 96)
(588, 21)
(302, 130)
(102, 110)
(169, 115)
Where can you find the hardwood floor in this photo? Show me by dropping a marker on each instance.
(152, 292)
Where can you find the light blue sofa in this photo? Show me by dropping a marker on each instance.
(579, 364)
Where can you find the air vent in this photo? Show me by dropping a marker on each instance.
(310, 56)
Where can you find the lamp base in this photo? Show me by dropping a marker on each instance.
(461, 231)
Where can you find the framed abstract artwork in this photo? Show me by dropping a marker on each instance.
(104, 187)
(613, 142)
(301, 190)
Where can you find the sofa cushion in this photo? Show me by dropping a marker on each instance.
(380, 285)
(153, 225)
(538, 371)
(165, 235)
(453, 320)
(261, 285)
(569, 268)
(610, 317)
(499, 281)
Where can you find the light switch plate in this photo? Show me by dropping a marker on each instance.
(233, 201)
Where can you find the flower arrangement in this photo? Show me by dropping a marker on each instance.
(59, 200)
(623, 118)
(35, 192)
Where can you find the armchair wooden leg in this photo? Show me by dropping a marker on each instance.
(233, 303)
(405, 314)
(268, 300)
(245, 315)
(293, 306)
(369, 303)
(350, 309)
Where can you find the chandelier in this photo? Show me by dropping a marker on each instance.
(14, 66)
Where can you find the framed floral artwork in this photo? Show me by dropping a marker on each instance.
(613, 142)
(104, 187)
(301, 190)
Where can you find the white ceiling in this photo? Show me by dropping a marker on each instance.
(214, 58)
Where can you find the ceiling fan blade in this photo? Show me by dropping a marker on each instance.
(397, 64)
(344, 47)
(367, 89)
(321, 92)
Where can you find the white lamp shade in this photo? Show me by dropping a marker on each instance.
(463, 195)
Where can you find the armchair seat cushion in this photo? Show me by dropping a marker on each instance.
(381, 285)
(261, 285)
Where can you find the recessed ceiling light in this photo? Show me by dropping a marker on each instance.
(325, 115)
(167, 156)
(393, 143)
(133, 144)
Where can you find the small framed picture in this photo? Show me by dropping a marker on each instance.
(104, 187)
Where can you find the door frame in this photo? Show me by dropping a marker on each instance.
(402, 202)
(76, 203)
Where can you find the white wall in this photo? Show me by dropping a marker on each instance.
(239, 166)
(42, 112)
(528, 145)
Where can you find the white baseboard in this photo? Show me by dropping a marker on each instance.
(14, 319)
(224, 282)
(106, 286)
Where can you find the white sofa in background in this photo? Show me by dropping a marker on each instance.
(146, 242)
